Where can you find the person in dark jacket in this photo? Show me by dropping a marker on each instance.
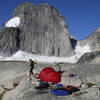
(32, 62)
(31, 67)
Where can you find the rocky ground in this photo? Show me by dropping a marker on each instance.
(13, 77)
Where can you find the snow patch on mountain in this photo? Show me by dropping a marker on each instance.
(80, 50)
(23, 56)
(13, 22)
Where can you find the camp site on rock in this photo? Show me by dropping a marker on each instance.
(40, 60)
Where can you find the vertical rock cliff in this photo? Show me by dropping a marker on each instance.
(42, 31)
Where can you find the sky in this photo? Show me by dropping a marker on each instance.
(81, 16)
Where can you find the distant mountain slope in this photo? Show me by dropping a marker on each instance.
(93, 40)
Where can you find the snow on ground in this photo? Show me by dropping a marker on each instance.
(13, 22)
(23, 56)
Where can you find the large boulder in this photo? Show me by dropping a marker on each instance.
(91, 57)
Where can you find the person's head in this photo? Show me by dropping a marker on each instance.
(30, 59)
(35, 61)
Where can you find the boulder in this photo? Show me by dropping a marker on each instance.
(90, 58)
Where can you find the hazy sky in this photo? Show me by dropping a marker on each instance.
(82, 16)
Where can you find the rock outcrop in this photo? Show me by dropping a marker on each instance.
(42, 31)
(9, 41)
(90, 58)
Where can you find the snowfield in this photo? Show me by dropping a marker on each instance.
(13, 22)
(23, 56)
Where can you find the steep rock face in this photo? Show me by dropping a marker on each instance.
(93, 40)
(90, 58)
(9, 40)
(43, 30)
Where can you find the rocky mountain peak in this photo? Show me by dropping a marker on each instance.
(42, 30)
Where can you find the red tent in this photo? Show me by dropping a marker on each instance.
(44, 72)
(48, 74)
(54, 77)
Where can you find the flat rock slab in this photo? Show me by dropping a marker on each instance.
(11, 72)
